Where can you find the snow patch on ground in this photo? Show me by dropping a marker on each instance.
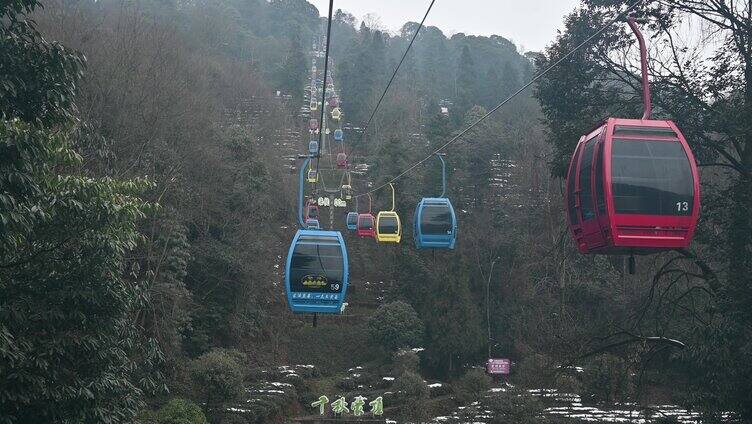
(569, 405)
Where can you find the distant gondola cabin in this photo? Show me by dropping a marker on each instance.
(435, 224)
(352, 221)
(366, 227)
(336, 114)
(341, 160)
(388, 227)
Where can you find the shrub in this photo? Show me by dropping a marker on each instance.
(147, 416)
(415, 394)
(568, 383)
(406, 360)
(396, 325)
(217, 377)
(412, 386)
(332, 347)
(472, 386)
(180, 411)
(534, 371)
(607, 379)
(347, 383)
(440, 389)
(516, 406)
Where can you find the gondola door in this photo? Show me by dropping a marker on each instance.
(580, 180)
(591, 187)
(590, 230)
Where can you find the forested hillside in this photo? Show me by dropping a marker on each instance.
(148, 198)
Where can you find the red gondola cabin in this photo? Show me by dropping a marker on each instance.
(632, 187)
(341, 160)
(366, 227)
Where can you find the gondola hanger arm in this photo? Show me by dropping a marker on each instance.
(392, 186)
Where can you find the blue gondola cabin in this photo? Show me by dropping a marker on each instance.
(316, 273)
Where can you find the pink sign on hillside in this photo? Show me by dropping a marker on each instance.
(498, 366)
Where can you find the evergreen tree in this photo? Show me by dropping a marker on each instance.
(466, 94)
(510, 80)
(480, 143)
(294, 70)
(453, 323)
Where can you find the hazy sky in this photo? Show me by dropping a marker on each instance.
(531, 24)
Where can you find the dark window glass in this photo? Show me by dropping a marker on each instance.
(600, 197)
(586, 189)
(651, 178)
(316, 268)
(388, 225)
(436, 220)
(313, 213)
(366, 223)
(571, 187)
(352, 219)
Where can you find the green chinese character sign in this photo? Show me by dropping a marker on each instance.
(377, 406)
(357, 406)
(339, 406)
(321, 403)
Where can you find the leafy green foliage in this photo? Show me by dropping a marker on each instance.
(472, 386)
(180, 411)
(65, 301)
(466, 77)
(412, 385)
(217, 377)
(437, 67)
(516, 406)
(167, 266)
(294, 69)
(414, 392)
(396, 325)
(68, 292)
(453, 329)
(406, 360)
(331, 348)
(37, 78)
(533, 371)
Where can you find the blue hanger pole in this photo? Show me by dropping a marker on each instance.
(300, 192)
(443, 175)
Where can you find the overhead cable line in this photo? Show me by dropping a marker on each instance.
(323, 90)
(507, 100)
